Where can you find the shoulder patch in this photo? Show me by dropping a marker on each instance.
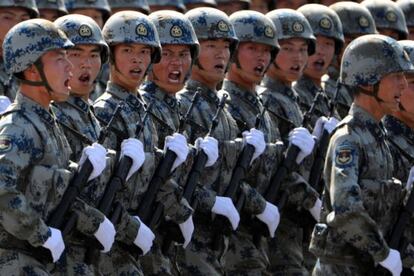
(344, 155)
(5, 144)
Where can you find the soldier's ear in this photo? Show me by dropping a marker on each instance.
(31, 73)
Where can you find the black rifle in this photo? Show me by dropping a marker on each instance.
(233, 190)
(146, 211)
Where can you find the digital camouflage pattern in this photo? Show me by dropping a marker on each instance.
(29, 5)
(324, 22)
(292, 24)
(8, 84)
(178, 4)
(361, 198)
(101, 5)
(131, 4)
(58, 5)
(407, 6)
(387, 15)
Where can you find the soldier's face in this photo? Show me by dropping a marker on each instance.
(49, 14)
(92, 13)
(213, 59)
(131, 64)
(254, 59)
(410, 33)
(319, 62)
(171, 72)
(388, 32)
(86, 60)
(290, 4)
(407, 96)
(58, 72)
(390, 89)
(10, 17)
(260, 6)
(291, 59)
(230, 7)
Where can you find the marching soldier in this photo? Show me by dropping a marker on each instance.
(134, 44)
(51, 10)
(361, 198)
(407, 6)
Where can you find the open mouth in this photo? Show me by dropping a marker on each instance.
(319, 64)
(85, 78)
(219, 67)
(174, 76)
(295, 68)
(259, 69)
(136, 72)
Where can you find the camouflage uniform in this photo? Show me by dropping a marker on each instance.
(356, 21)
(361, 198)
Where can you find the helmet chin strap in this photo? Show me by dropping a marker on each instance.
(374, 94)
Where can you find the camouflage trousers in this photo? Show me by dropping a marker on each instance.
(199, 259)
(118, 262)
(15, 263)
(285, 251)
(243, 258)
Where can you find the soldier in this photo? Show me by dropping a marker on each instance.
(327, 29)
(35, 153)
(407, 6)
(134, 45)
(174, 5)
(361, 198)
(124, 5)
(389, 18)
(296, 43)
(192, 4)
(249, 64)
(11, 13)
(356, 21)
(230, 7)
(51, 10)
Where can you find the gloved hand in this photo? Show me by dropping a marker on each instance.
(410, 179)
(322, 124)
(270, 217)
(301, 138)
(178, 144)
(55, 244)
(316, 210)
(187, 229)
(224, 206)
(96, 154)
(4, 104)
(106, 234)
(144, 238)
(255, 138)
(393, 262)
(134, 149)
(210, 147)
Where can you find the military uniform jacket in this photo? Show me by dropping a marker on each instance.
(8, 84)
(132, 111)
(361, 199)
(343, 99)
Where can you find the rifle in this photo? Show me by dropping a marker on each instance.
(145, 210)
(116, 183)
(238, 174)
(199, 164)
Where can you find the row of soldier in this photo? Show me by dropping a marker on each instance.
(162, 100)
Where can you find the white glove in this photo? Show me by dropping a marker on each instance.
(393, 262)
(55, 244)
(210, 147)
(316, 210)
(106, 234)
(96, 154)
(255, 138)
(224, 206)
(144, 238)
(4, 103)
(324, 124)
(301, 138)
(178, 144)
(331, 124)
(134, 149)
(187, 229)
(270, 217)
(410, 179)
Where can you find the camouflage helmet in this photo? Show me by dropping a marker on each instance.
(245, 2)
(324, 22)
(27, 41)
(408, 46)
(178, 4)
(407, 6)
(29, 5)
(206, 3)
(368, 58)
(58, 5)
(131, 4)
(101, 5)
(387, 15)
(211, 23)
(292, 24)
(253, 26)
(355, 18)
(81, 29)
(174, 28)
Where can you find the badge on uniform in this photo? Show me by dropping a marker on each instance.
(141, 30)
(363, 22)
(391, 16)
(344, 155)
(85, 31)
(5, 144)
(325, 23)
(297, 27)
(268, 31)
(222, 26)
(176, 31)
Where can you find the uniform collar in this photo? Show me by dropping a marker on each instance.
(365, 120)
(28, 105)
(78, 103)
(205, 92)
(153, 89)
(280, 87)
(308, 85)
(132, 100)
(234, 90)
